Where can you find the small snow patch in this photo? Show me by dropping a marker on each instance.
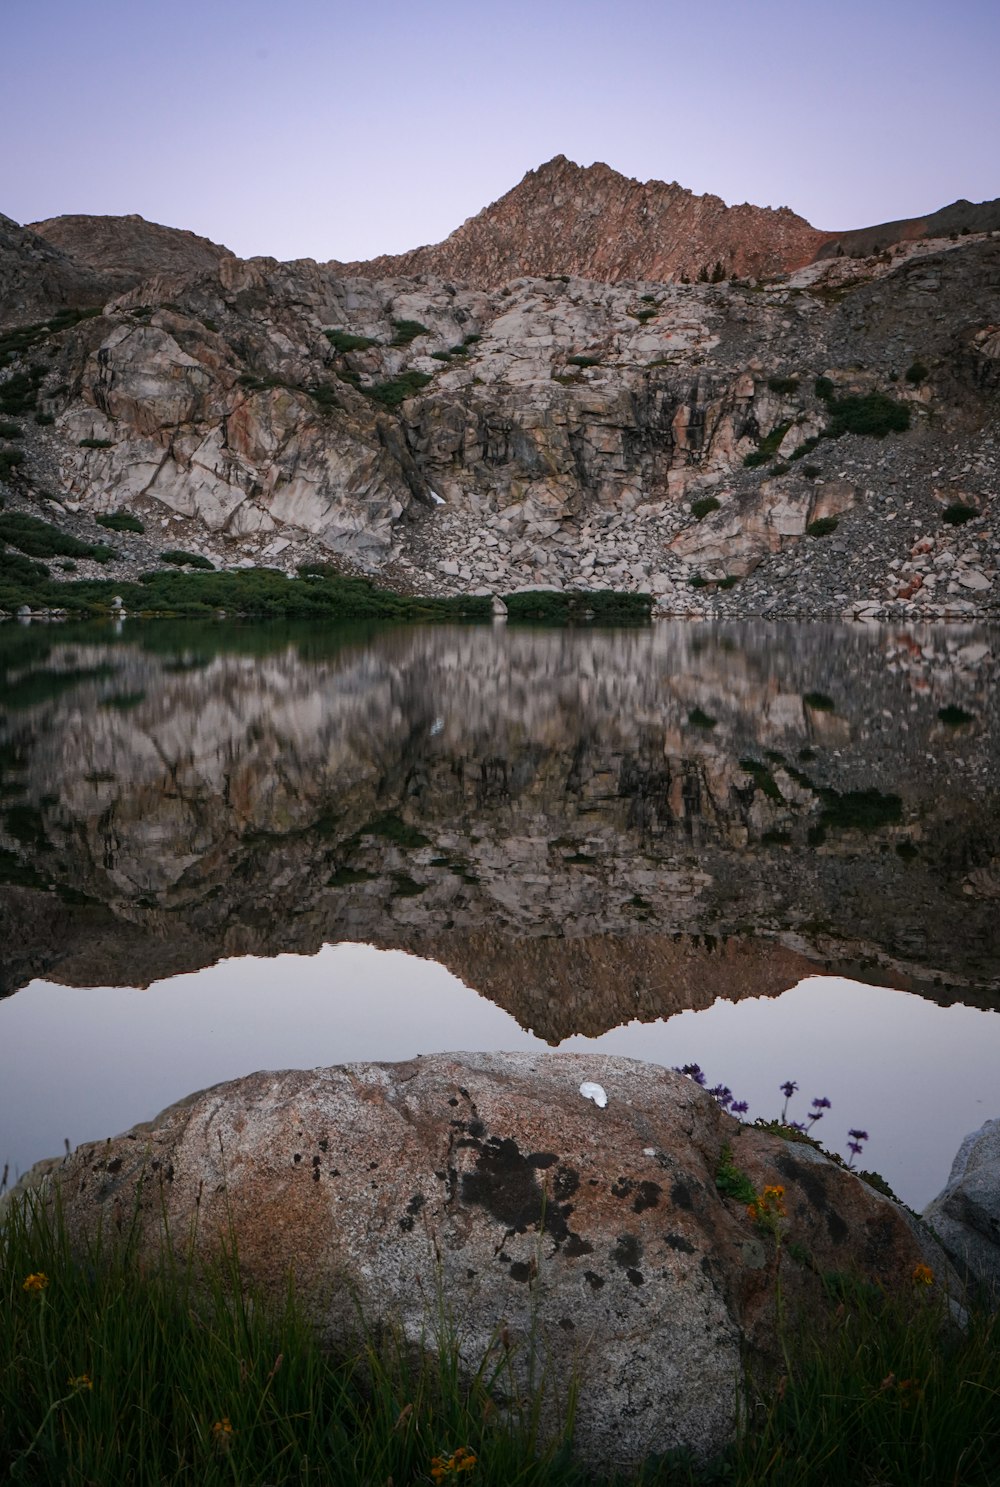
(594, 1092)
(438, 500)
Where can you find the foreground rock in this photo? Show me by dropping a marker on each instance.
(488, 1187)
(966, 1214)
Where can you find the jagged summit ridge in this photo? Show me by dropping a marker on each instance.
(594, 223)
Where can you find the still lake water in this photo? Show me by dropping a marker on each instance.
(772, 850)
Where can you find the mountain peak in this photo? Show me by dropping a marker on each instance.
(592, 222)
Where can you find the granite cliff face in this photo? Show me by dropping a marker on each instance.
(588, 828)
(593, 223)
(724, 446)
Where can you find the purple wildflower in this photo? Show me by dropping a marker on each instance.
(739, 1107)
(693, 1071)
(723, 1095)
(789, 1089)
(859, 1135)
(854, 1146)
(821, 1103)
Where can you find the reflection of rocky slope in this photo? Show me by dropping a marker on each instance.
(479, 795)
(281, 412)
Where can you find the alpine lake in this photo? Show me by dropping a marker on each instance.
(769, 849)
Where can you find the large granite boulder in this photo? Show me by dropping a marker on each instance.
(966, 1213)
(584, 1234)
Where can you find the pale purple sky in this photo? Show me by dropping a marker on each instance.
(329, 129)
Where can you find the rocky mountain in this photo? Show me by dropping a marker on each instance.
(129, 250)
(820, 442)
(593, 223)
(37, 278)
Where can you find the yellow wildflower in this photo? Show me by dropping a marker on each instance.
(222, 1433)
(460, 1460)
(81, 1382)
(923, 1275)
(36, 1283)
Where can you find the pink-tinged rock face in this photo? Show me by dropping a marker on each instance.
(487, 1189)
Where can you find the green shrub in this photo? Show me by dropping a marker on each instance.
(762, 777)
(390, 394)
(873, 416)
(705, 504)
(583, 361)
(121, 521)
(768, 447)
(45, 419)
(471, 338)
(17, 569)
(343, 341)
(643, 315)
(95, 443)
(729, 582)
(824, 388)
(860, 810)
(955, 717)
(443, 355)
(573, 606)
(819, 702)
(958, 513)
(699, 719)
(822, 527)
(784, 385)
(11, 431)
(405, 331)
(181, 559)
(806, 447)
(811, 471)
(697, 581)
(20, 392)
(780, 469)
(916, 373)
(41, 540)
(10, 459)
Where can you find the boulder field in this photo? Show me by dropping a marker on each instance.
(497, 1197)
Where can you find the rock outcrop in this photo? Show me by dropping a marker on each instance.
(593, 223)
(554, 1235)
(37, 279)
(965, 1216)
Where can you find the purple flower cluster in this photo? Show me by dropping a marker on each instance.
(722, 1094)
(854, 1146)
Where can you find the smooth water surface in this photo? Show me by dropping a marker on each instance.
(652, 831)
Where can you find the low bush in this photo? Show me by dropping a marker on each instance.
(405, 331)
(703, 506)
(783, 385)
(958, 513)
(872, 415)
(9, 460)
(395, 391)
(561, 607)
(916, 373)
(343, 341)
(768, 447)
(822, 527)
(11, 431)
(181, 559)
(811, 471)
(121, 521)
(39, 539)
(95, 443)
(583, 361)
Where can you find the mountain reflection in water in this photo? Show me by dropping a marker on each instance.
(586, 826)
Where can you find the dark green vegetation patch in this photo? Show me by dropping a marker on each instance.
(121, 521)
(604, 607)
(39, 539)
(860, 810)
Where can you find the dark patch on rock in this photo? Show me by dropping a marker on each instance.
(297, 1158)
(807, 1178)
(627, 1251)
(575, 1245)
(594, 1281)
(505, 1184)
(520, 1271)
(476, 1128)
(636, 1277)
(622, 1187)
(567, 1180)
(567, 1324)
(680, 1195)
(678, 1242)
(115, 1165)
(453, 1101)
(648, 1196)
(837, 1228)
(416, 1203)
(315, 1161)
(323, 1143)
(541, 1159)
(406, 1223)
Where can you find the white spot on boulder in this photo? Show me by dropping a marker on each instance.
(595, 1092)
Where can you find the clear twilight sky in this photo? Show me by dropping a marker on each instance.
(330, 129)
